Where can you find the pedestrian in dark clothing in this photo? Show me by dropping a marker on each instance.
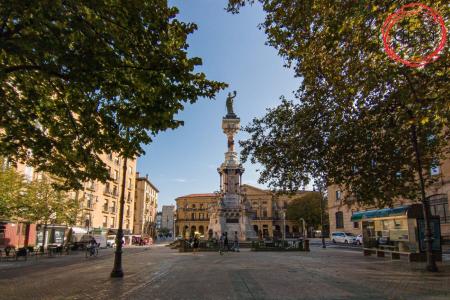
(236, 242)
(226, 242)
(196, 243)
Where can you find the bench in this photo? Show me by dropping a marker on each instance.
(380, 252)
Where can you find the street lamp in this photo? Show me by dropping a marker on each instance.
(320, 188)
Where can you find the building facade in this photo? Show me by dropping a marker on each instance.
(340, 213)
(146, 203)
(100, 202)
(267, 218)
(168, 218)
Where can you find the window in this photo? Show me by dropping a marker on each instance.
(355, 224)
(439, 207)
(265, 212)
(339, 219)
(110, 156)
(113, 207)
(105, 221)
(28, 173)
(116, 175)
(130, 170)
(90, 200)
(129, 183)
(338, 195)
(105, 206)
(113, 222)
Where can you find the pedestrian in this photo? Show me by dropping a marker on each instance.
(226, 245)
(236, 242)
(196, 243)
(221, 243)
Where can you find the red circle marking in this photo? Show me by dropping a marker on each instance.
(400, 14)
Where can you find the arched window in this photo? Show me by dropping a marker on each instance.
(339, 219)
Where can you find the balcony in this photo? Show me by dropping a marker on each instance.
(107, 192)
(88, 205)
(196, 219)
(91, 186)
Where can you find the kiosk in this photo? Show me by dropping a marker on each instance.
(398, 231)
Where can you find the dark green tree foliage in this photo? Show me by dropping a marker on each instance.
(306, 207)
(359, 106)
(76, 75)
(385, 125)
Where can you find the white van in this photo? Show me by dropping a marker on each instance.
(343, 237)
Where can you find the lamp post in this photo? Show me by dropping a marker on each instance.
(321, 222)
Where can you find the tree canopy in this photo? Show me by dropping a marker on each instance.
(306, 207)
(360, 109)
(12, 185)
(81, 78)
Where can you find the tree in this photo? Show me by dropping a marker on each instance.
(11, 189)
(73, 73)
(385, 125)
(164, 231)
(307, 208)
(81, 78)
(44, 204)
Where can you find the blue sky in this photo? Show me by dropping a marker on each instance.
(184, 161)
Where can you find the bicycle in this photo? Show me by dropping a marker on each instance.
(92, 250)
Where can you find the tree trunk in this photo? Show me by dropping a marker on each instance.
(431, 263)
(117, 269)
(321, 218)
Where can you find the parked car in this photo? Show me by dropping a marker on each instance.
(343, 237)
(359, 239)
(111, 241)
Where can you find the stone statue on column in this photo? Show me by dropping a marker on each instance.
(229, 103)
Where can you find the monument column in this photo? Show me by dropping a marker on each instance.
(232, 214)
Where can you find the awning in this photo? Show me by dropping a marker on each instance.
(380, 213)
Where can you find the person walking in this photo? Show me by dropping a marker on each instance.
(236, 242)
(196, 243)
(221, 243)
(226, 245)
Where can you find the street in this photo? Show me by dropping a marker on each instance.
(161, 273)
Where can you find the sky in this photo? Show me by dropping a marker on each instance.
(185, 160)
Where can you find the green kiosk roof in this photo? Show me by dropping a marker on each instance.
(380, 213)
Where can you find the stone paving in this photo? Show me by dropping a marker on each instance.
(162, 273)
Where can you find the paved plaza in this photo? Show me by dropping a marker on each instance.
(161, 273)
